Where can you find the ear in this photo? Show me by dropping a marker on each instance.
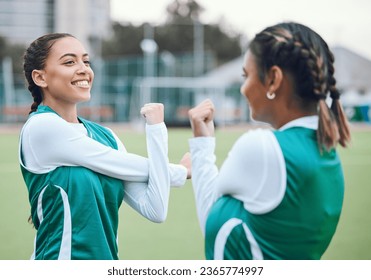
(38, 76)
(274, 78)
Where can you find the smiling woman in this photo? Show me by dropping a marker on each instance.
(78, 172)
(66, 78)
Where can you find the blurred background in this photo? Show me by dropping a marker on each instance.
(176, 51)
(179, 52)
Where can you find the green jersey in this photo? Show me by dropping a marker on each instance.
(301, 226)
(77, 175)
(74, 206)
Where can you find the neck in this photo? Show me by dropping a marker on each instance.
(289, 107)
(67, 111)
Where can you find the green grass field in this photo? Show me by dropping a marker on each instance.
(180, 237)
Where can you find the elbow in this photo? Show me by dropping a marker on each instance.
(156, 215)
(159, 218)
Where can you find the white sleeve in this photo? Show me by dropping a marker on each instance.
(254, 172)
(178, 173)
(66, 146)
(51, 142)
(143, 199)
(204, 175)
(152, 201)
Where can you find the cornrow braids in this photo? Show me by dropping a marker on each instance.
(34, 59)
(328, 130)
(300, 51)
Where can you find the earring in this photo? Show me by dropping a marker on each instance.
(271, 95)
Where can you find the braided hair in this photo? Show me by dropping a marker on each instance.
(302, 53)
(34, 59)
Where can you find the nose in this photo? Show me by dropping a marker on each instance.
(242, 90)
(83, 68)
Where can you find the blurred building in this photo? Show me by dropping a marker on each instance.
(21, 21)
(352, 73)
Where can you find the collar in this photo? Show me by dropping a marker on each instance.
(310, 122)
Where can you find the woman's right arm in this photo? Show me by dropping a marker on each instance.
(204, 170)
(50, 142)
(47, 142)
(254, 171)
(204, 176)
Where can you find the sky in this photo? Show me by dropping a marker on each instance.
(344, 23)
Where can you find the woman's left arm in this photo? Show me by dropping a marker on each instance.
(151, 199)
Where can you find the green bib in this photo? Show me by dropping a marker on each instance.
(74, 209)
(301, 226)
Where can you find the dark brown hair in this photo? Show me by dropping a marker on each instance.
(300, 51)
(34, 59)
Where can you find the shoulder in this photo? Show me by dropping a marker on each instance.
(43, 122)
(257, 146)
(255, 140)
(256, 134)
(47, 126)
(263, 170)
(44, 117)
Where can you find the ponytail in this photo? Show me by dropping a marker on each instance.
(328, 131)
(37, 97)
(341, 119)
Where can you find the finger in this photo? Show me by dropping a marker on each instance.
(143, 111)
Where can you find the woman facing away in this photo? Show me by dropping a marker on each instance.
(279, 193)
(78, 172)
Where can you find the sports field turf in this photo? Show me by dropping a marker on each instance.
(180, 237)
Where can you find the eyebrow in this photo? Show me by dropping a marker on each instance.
(72, 54)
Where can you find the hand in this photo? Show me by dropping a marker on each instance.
(201, 118)
(187, 163)
(153, 113)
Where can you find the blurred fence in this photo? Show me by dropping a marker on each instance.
(180, 94)
(121, 87)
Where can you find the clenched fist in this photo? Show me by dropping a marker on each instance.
(153, 113)
(201, 118)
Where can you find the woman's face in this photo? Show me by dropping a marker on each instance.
(254, 90)
(67, 73)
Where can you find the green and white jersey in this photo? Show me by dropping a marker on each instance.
(77, 178)
(275, 196)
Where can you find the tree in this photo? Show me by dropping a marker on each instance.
(14, 51)
(125, 41)
(176, 35)
(183, 11)
(2, 47)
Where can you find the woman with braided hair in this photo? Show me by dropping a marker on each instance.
(78, 172)
(279, 193)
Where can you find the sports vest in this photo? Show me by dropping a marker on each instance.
(301, 226)
(74, 209)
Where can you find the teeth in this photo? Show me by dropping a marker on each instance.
(81, 83)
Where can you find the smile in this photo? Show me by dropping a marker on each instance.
(83, 83)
